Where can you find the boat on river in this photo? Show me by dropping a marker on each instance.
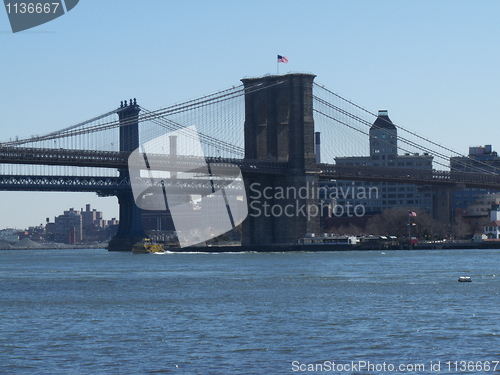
(330, 242)
(327, 242)
(146, 246)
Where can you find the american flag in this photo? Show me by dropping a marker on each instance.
(411, 213)
(282, 59)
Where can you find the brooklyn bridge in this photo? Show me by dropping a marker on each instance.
(278, 130)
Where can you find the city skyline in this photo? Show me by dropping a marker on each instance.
(432, 65)
(53, 218)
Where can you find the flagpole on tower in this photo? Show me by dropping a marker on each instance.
(282, 59)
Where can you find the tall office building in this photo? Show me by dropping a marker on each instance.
(378, 196)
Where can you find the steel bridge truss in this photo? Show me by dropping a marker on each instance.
(107, 186)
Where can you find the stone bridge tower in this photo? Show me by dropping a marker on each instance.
(279, 126)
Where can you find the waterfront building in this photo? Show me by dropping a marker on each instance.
(9, 235)
(476, 214)
(492, 229)
(75, 226)
(112, 222)
(68, 227)
(480, 159)
(36, 233)
(50, 231)
(93, 225)
(383, 142)
(92, 217)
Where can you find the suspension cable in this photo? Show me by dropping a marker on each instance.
(405, 140)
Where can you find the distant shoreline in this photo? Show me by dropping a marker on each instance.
(27, 244)
(53, 246)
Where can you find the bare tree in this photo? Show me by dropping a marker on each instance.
(374, 226)
(395, 221)
(461, 230)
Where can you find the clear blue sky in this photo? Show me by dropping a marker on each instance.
(432, 64)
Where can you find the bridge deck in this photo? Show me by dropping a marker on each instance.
(119, 160)
(409, 176)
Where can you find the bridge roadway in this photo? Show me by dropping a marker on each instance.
(410, 176)
(119, 160)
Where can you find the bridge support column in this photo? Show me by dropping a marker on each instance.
(279, 126)
(130, 228)
(281, 210)
(442, 203)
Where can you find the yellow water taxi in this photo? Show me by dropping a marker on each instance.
(146, 246)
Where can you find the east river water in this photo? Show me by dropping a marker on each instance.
(98, 312)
